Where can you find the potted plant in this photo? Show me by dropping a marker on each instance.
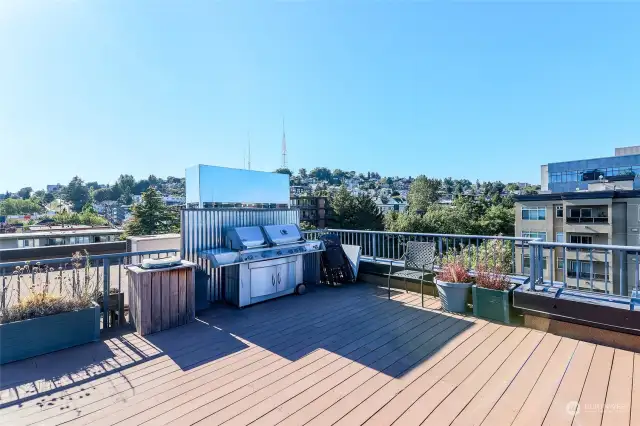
(47, 318)
(493, 295)
(453, 283)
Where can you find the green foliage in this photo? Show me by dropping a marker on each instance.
(152, 216)
(48, 198)
(283, 171)
(321, 173)
(76, 193)
(466, 215)
(13, 206)
(302, 173)
(494, 255)
(25, 193)
(307, 226)
(423, 192)
(354, 212)
(88, 216)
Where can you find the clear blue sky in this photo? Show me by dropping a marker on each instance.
(488, 91)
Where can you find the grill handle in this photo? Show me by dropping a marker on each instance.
(273, 281)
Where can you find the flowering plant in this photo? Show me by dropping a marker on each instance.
(453, 271)
(492, 278)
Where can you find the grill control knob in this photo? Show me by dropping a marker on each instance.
(279, 252)
(290, 251)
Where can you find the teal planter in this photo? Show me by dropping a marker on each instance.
(453, 296)
(38, 336)
(494, 305)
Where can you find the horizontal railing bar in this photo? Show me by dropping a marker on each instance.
(421, 234)
(92, 257)
(584, 246)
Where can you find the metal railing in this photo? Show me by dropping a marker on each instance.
(472, 250)
(604, 220)
(525, 256)
(620, 266)
(59, 276)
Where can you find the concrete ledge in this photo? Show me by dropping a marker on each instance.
(595, 335)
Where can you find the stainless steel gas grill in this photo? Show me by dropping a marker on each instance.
(268, 259)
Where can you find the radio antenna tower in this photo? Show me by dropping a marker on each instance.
(284, 147)
(249, 137)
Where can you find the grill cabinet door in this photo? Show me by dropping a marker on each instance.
(263, 281)
(285, 275)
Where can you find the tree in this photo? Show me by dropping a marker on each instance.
(126, 182)
(349, 212)
(141, 186)
(93, 185)
(448, 185)
(25, 193)
(102, 195)
(48, 198)
(17, 206)
(76, 193)
(498, 220)
(302, 172)
(283, 171)
(321, 173)
(152, 216)
(423, 192)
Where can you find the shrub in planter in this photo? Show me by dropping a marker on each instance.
(493, 295)
(453, 283)
(47, 318)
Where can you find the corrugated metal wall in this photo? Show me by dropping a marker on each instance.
(203, 229)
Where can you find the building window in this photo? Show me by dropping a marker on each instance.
(28, 243)
(55, 242)
(79, 240)
(559, 237)
(559, 263)
(559, 211)
(581, 239)
(526, 262)
(535, 234)
(534, 213)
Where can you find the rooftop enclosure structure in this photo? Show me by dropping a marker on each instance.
(57, 237)
(212, 186)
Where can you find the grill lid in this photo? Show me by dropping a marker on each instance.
(282, 234)
(245, 237)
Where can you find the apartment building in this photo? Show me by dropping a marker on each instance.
(607, 212)
(312, 210)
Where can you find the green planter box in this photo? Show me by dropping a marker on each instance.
(38, 336)
(494, 305)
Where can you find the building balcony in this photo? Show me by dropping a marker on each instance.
(586, 275)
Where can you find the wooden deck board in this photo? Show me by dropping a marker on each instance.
(343, 356)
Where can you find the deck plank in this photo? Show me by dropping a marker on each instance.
(635, 392)
(507, 407)
(617, 407)
(571, 386)
(453, 403)
(537, 404)
(429, 401)
(593, 395)
(409, 395)
(484, 400)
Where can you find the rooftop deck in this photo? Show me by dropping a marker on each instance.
(343, 356)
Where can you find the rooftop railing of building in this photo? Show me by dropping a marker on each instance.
(61, 276)
(538, 261)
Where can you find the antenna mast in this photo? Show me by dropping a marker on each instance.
(249, 137)
(284, 147)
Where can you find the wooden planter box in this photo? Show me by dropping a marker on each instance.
(160, 299)
(38, 336)
(494, 305)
